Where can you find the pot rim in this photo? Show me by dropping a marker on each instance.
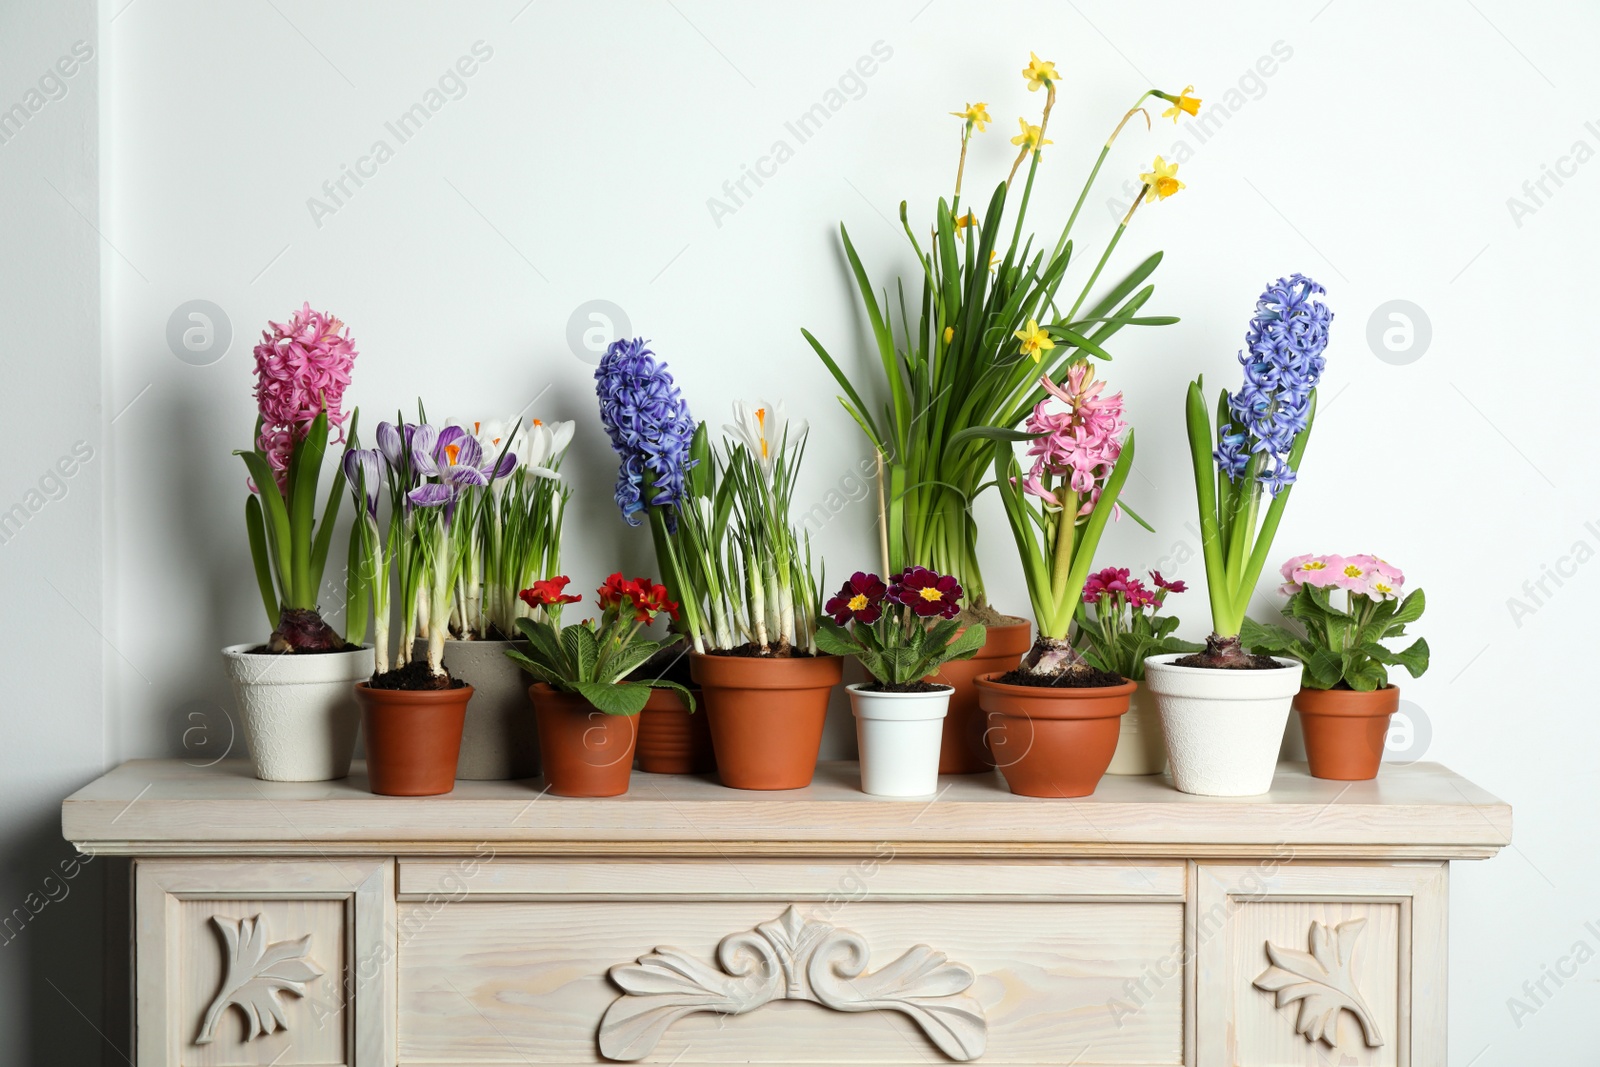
(1350, 703)
(241, 651)
(944, 690)
(462, 692)
(987, 681)
(822, 671)
(1166, 662)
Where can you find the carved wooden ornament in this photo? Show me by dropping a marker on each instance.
(1322, 982)
(254, 973)
(790, 958)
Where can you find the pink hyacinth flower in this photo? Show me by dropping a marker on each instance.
(302, 368)
(1078, 443)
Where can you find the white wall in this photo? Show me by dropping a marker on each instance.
(1378, 156)
(51, 529)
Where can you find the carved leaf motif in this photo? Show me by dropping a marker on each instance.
(255, 973)
(1321, 980)
(791, 958)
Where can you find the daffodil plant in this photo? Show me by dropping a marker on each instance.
(991, 321)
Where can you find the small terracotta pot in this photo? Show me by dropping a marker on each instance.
(673, 739)
(413, 738)
(965, 749)
(584, 751)
(766, 716)
(1052, 742)
(1345, 730)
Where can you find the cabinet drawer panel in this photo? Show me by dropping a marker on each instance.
(880, 875)
(496, 981)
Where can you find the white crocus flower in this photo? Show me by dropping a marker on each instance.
(764, 430)
(545, 445)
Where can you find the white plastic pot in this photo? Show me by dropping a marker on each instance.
(899, 736)
(1141, 744)
(299, 711)
(501, 737)
(1223, 727)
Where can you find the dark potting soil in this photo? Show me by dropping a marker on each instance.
(751, 650)
(414, 676)
(266, 650)
(1084, 677)
(1246, 663)
(909, 687)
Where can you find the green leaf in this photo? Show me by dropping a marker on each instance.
(628, 660)
(255, 525)
(966, 644)
(541, 636)
(583, 652)
(277, 517)
(535, 668)
(622, 698)
(686, 695)
(990, 433)
(1410, 609)
(305, 466)
(1415, 658)
(835, 640)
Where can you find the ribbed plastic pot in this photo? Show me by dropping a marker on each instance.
(672, 739)
(298, 711)
(586, 753)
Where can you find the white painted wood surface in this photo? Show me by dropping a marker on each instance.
(153, 807)
(501, 925)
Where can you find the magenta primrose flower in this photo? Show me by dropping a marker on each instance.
(1367, 575)
(302, 368)
(859, 600)
(1080, 442)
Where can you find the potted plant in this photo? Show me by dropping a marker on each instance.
(587, 708)
(413, 712)
(1054, 719)
(293, 690)
(730, 555)
(891, 630)
(512, 537)
(1346, 607)
(1120, 618)
(1224, 709)
(953, 379)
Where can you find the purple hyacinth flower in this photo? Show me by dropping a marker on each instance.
(1282, 362)
(650, 428)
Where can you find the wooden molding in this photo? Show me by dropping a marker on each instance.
(791, 958)
(1322, 981)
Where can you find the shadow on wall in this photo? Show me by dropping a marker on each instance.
(63, 973)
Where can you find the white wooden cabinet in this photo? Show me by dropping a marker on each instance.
(686, 923)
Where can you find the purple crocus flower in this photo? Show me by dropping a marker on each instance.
(363, 469)
(650, 428)
(392, 445)
(1282, 363)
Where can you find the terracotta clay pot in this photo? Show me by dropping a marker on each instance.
(1052, 742)
(672, 739)
(766, 716)
(965, 749)
(1345, 730)
(413, 738)
(584, 751)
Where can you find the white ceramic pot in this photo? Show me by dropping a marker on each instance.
(1141, 744)
(299, 711)
(899, 736)
(1223, 727)
(501, 736)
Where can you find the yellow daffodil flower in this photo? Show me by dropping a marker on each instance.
(1161, 182)
(976, 114)
(962, 222)
(1035, 341)
(994, 260)
(1186, 104)
(949, 334)
(1038, 72)
(1030, 137)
